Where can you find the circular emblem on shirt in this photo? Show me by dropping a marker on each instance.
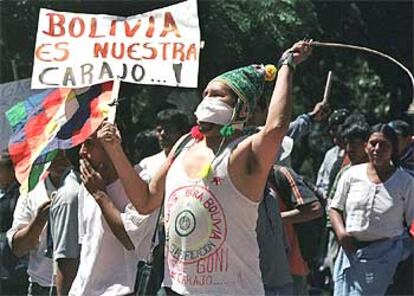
(185, 223)
(195, 224)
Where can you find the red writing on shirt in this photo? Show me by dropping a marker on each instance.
(218, 262)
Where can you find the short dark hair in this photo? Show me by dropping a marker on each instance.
(5, 160)
(355, 127)
(147, 143)
(338, 117)
(401, 127)
(175, 117)
(391, 136)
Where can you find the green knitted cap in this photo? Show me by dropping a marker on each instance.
(247, 82)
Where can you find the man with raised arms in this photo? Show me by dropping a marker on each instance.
(213, 187)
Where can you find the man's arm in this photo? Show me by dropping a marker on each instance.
(252, 159)
(65, 274)
(145, 197)
(303, 213)
(301, 126)
(113, 218)
(336, 210)
(27, 238)
(295, 191)
(345, 240)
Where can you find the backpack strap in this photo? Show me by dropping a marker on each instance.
(266, 194)
(182, 145)
(157, 226)
(278, 182)
(292, 185)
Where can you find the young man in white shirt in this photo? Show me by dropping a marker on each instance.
(112, 233)
(334, 157)
(54, 200)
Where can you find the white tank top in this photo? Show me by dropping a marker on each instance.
(211, 244)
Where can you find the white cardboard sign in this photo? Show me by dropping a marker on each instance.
(160, 47)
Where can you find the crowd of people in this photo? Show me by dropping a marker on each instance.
(216, 209)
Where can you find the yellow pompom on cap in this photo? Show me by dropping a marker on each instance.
(270, 72)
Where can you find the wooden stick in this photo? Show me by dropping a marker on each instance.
(328, 85)
(372, 51)
(14, 68)
(114, 100)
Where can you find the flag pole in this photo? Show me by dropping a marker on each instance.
(114, 100)
(328, 85)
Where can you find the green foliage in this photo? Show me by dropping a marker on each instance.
(370, 97)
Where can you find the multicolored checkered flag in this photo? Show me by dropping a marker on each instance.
(52, 120)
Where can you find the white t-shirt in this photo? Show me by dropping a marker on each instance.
(211, 243)
(40, 269)
(324, 173)
(150, 165)
(106, 267)
(374, 211)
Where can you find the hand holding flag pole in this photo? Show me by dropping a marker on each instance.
(114, 100)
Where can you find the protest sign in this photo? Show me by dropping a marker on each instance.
(160, 47)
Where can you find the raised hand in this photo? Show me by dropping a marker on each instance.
(301, 51)
(108, 134)
(320, 112)
(92, 180)
(42, 213)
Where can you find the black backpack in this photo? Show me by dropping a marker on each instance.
(311, 233)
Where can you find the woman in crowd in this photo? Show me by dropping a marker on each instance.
(371, 204)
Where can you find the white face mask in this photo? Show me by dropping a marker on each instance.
(214, 110)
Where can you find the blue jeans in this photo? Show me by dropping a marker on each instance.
(369, 271)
